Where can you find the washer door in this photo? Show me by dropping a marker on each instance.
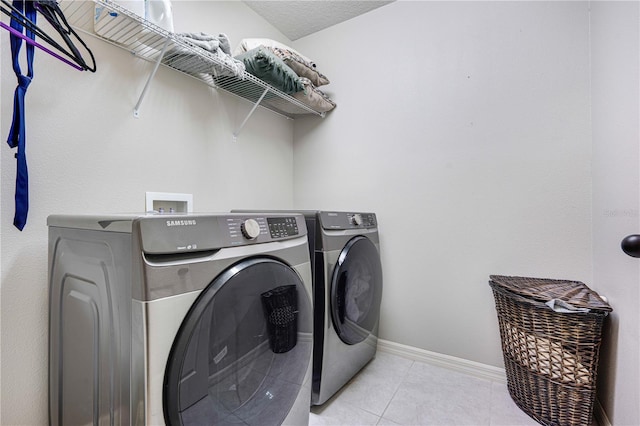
(356, 291)
(243, 350)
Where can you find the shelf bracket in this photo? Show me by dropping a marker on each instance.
(239, 129)
(136, 109)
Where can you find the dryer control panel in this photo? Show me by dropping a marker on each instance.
(347, 220)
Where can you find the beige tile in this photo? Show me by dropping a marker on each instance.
(338, 413)
(434, 404)
(504, 412)
(373, 388)
(455, 398)
(393, 391)
(387, 422)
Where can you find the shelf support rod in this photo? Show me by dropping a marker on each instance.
(136, 109)
(237, 132)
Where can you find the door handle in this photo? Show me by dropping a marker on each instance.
(631, 245)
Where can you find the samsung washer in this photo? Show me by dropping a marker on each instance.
(179, 319)
(347, 291)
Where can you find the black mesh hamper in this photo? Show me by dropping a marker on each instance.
(550, 357)
(280, 306)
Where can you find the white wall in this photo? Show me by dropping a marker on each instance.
(615, 47)
(465, 127)
(88, 154)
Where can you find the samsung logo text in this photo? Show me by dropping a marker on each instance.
(189, 222)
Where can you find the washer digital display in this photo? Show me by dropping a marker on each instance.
(282, 226)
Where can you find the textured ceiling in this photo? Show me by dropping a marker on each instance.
(296, 19)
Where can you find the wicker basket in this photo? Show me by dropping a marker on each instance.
(550, 358)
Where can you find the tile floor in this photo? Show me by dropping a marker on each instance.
(392, 390)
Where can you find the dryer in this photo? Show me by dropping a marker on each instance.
(179, 319)
(347, 295)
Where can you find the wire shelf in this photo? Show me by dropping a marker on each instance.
(121, 27)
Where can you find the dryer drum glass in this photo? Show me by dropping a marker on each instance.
(356, 291)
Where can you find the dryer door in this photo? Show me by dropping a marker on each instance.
(356, 291)
(243, 350)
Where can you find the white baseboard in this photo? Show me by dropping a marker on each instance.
(472, 368)
(461, 365)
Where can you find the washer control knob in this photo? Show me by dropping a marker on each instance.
(356, 219)
(250, 229)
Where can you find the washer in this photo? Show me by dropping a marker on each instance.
(347, 291)
(180, 319)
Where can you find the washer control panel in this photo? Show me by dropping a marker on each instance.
(241, 230)
(164, 234)
(260, 229)
(347, 220)
(280, 227)
(250, 229)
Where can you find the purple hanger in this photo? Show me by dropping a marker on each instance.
(39, 46)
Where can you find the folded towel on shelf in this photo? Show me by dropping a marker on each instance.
(216, 59)
(209, 42)
(299, 63)
(262, 63)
